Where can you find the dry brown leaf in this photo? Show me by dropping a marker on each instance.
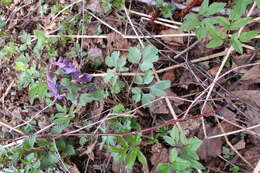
(213, 71)
(74, 169)
(173, 41)
(89, 151)
(212, 147)
(252, 74)
(251, 96)
(116, 41)
(94, 6)
(240, 144)
(120, 167)
(169, 75)
(160, 155)
(190, 126)
(252, 154)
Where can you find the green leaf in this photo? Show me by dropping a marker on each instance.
(148, 77)
(106, 5)
(119, 4)
(111, 77)
(85, 98)
(247, 36)
(258, 3)
(213, 32)
(49, 159)
(58, 128)
(173, 155)
(164, 168)
(236, 44)
(195, 164)
(136, 94)
(130, 158)
(223, 22)
(116, 89)
(121, 62)
(150, 55)
(146, 98)
(111, 61)
(61, 121)
(169, 140)
(167, 11)
(214, 43)
(164, 84)
(201, 32)
(159, 3)
(20, 66)
(214, 8)
(29, 142)
(134, 55)
(158, 88)
(60, 108)
(204, 7)
(175, 134)
(180, 164)
(239, 9)
(191, 21)
(194, 143)
(183, 138)
(141, 158)
(240, 23)
(39, 90)
(139, 80)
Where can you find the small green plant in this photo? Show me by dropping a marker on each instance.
(183, 156)
(235, 169)
(145, 60)
(166, 9)
(128, 150)
(62, 118)
(227, 153)
(204, 24)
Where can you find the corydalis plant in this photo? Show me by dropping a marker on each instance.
(67, 80)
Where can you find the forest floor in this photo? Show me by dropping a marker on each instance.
(214, 93)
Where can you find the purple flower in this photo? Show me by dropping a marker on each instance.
(81, 78)
(53, 86)
(66, 65)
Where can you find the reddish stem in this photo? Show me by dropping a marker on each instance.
(130, 133)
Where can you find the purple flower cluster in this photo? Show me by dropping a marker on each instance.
(69, 69)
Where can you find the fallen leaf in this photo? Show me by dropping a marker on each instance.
(252, 74)
(173, 41)
(94, 6)
(160, 155)
(213, 71)
(251, 96)
(210, 148)
(240, 144)
(169, 75)
(74, 169)
(120, 167)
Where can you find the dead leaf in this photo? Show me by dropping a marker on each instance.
(89, 151)
(251, 96)
(240, 144)
(116, 41)
(120, 167)
(252, 154)
(190, 126)
(213, 71)
(74, 169)
(169, 75)
(173, 41)
(210, 148)
(252, 74)
(160, 155)
(94, 6)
